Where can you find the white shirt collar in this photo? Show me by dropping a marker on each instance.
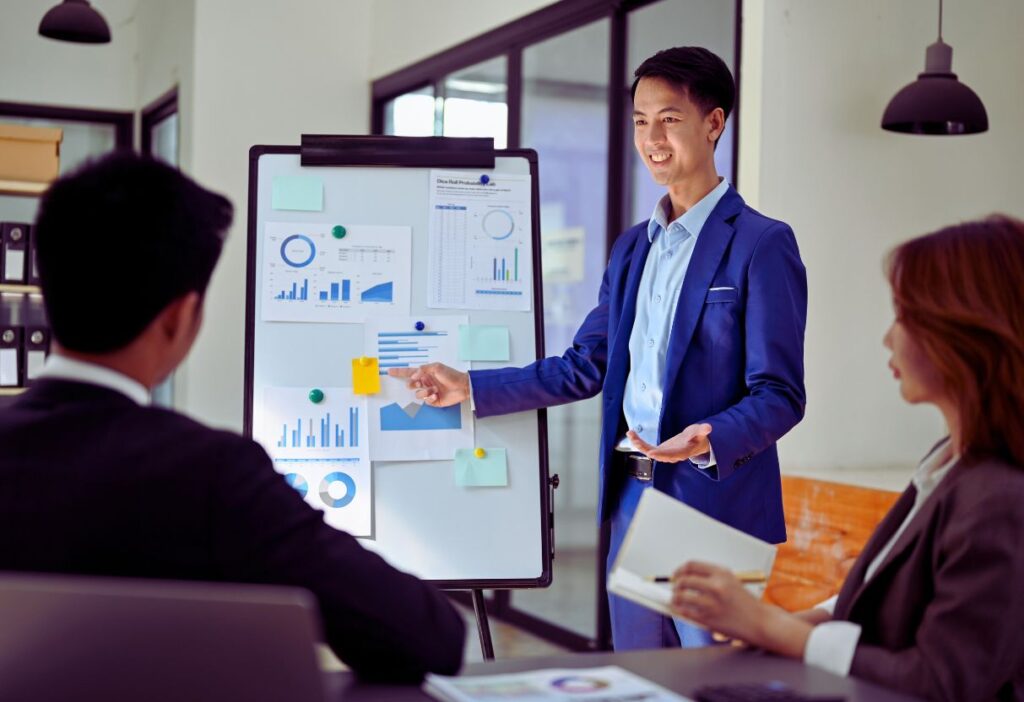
(934, 468)
(64, 368)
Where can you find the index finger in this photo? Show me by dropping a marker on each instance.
(401, 372)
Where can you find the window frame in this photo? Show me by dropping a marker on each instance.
(123, 122)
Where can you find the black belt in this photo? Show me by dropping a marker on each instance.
(638, 465)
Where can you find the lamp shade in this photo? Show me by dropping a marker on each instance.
(77, 21)
(936, 103)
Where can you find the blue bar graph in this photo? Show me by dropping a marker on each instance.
(295, 293)
(338, 291)
(326, 438)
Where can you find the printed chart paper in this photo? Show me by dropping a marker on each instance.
(480, 253)
(403, 428)
(309, 275)
(323, 451)
(606, 684)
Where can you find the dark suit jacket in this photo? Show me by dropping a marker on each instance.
(735, 359)
(943, 616)
(92, 483)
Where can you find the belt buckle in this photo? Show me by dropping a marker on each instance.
(643, 468)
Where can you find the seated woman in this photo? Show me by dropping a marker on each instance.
(934, 606)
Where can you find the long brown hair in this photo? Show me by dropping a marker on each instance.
(959, 292)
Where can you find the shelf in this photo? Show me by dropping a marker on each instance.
(20, 187)
(5, 288)
(6, 392)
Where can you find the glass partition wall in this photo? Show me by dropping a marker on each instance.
(542, 82)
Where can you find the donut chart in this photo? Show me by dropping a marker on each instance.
(298, 250)
(298, 483)
(337, 477)
(498, 224)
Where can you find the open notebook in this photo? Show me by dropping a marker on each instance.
(664, 534)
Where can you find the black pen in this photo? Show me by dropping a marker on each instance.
(749, 577)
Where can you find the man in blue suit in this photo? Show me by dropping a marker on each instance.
(696, 339)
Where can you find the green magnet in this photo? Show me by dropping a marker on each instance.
(316, 395)
(338, 232)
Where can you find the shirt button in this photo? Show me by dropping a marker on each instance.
(657, 298)
(650, 343)
(643, 386)
(640, 427)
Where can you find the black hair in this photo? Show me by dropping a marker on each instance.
(705, 77)
(117, 241)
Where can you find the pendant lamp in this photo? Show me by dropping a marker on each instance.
(936, 103)
(77, 21)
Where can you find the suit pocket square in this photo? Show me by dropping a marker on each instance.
(721, 295)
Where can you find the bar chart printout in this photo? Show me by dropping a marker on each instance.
(480, 253)
(311, 276)
(402, 427)
(322, 450)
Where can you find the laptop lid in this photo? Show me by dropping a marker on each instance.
(124, 639)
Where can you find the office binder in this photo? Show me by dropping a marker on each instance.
(37, 348)
(11, 361)
(14, 242)
(33, 267)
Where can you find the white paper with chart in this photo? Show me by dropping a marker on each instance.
(481, 250)
(401, 426)
(310, 274)
(322, 449)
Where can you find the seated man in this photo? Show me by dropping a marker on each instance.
(94, 480)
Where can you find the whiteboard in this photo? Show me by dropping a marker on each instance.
(423, 522)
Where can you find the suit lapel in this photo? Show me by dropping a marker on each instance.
(712, 243)
(885, 531)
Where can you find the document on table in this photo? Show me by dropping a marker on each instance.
(607, 684)
(664, 534)
(480, 250)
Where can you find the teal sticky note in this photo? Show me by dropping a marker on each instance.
(483, 342)
(297, 193)
(489, 471)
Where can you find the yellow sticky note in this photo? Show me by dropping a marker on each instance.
(365, 375)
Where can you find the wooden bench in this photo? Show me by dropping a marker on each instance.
(828, 525)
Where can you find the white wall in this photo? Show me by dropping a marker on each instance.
(265, 74)
(37, 70)
(852, 191)
(166, 36)
(405, 32)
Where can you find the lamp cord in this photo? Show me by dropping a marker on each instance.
(940, 20)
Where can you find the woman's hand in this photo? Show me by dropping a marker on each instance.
(713, 597)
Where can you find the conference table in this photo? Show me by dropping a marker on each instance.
(679, 670)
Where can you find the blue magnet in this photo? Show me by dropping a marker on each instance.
(420, 326)
(485, 179)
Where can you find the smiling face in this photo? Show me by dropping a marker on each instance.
(919, 379)
(672, 135)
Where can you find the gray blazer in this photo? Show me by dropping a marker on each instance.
(943, 616)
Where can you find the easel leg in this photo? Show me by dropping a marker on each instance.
(482, 626)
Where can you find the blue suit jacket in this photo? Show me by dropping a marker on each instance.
(735, 360)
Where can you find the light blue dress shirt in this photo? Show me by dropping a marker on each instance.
(664, 271)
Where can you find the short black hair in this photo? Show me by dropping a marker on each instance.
(117, 241)
(705, 77)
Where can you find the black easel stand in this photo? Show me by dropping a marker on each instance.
(479, 607)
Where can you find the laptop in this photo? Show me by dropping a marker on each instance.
(69, 637)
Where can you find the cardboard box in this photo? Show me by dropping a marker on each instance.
(29, 156)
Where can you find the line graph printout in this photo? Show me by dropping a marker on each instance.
(322, 449)
(480, 253)
(402, 427)
(312, 275)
